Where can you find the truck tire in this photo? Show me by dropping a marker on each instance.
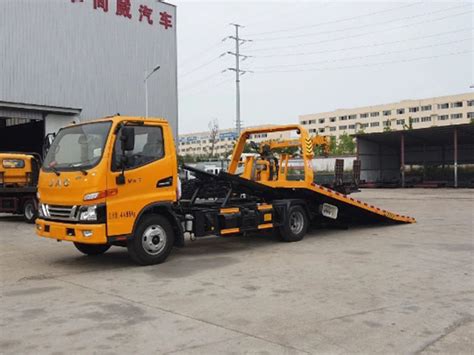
(296, 225)
(29, 211)
(92, 249)
(152, 241)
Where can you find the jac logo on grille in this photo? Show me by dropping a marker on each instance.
(58, 183)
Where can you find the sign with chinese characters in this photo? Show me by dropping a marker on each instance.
(132, 9)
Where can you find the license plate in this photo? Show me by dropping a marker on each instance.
(329, 211)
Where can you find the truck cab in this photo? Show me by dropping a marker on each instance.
(18, 179)
(99, 178)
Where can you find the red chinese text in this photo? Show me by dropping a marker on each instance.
(123, 8)
(101, 4)
(146, 12)
(165, 20)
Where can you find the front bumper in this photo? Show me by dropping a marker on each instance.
(72, 232)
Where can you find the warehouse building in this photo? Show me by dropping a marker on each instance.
(412, 114)
(66, 61)
(429, 157)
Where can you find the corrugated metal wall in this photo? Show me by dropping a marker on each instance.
(68, 54)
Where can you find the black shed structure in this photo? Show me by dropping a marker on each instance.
(427, 157)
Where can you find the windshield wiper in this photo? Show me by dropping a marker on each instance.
(83, 171)
(55, 170)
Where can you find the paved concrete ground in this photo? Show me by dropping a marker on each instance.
(391, 289)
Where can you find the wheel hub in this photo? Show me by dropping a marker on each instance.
(296, 222)
(154, 239)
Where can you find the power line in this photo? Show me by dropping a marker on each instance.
(202, 66)
(199, 82)
(362, 46)
(212, 86)
(293, 10)
(369, 55)
(361, 34)
(363, 65)
(336, 21)
(199, 53)
(361, 26)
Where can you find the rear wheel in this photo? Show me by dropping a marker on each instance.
(296, 225)
(29, 211)
(152, 241)
(92, 249)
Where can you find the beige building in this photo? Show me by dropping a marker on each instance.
(436, 111)
(196, 144)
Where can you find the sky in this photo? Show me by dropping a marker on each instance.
(317, 56)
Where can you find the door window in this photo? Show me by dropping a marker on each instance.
(149, 147)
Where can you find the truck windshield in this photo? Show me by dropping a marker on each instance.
(77, 147)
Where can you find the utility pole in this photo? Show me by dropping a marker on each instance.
(238, 71)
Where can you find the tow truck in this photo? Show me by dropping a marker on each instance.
(18, 178)
(114, 182)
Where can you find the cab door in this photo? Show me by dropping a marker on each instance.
(150, 176)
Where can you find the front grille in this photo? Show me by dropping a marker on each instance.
(66, 213)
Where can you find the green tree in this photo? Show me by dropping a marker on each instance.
(346, 144)
(333, 146)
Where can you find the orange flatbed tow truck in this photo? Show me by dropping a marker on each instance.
(114, 182)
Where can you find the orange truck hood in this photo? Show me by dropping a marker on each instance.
(69, 187)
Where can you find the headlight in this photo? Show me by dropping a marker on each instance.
(88, 213)
(41, 210)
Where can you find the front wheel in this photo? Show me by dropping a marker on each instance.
(29, 211)
(296, 225)
(92, 249)
(152, 241)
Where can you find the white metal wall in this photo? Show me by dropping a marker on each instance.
(68, 54)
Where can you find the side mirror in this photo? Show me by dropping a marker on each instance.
(127, 144)
(127, 139)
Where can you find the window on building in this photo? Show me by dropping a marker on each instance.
(304, 122)
(374, 114)
(415, 119)
(387, 112)
(321, 120)
(352, 117)
(443, 117)
(332, 129)
(456, 115)
(443, 106)
(401, 122)
(400, 111)
(414, 109)
(470, 115)
(456, 104)
(374, 124)
(313, 130)
(364, 125)
(332, 119)
(364, 115)
(426, 108)
(352, 126)
(342, 118)
(312, 121)
(342, 128)
(386, 123)
(426, 119)
(321, 130)
(470, 102)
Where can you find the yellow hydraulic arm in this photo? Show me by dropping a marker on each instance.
(322, 141)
